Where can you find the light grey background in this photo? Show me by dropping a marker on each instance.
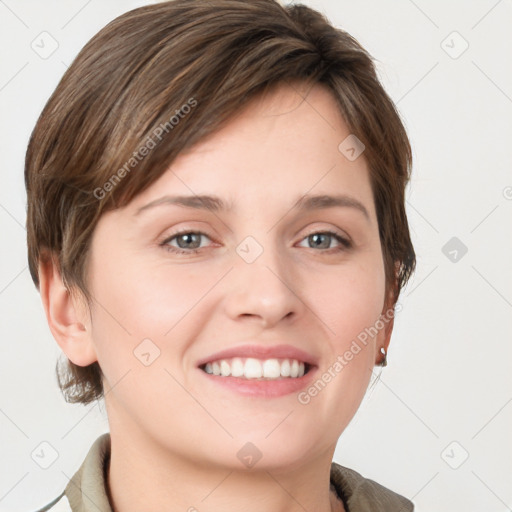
(446, 393)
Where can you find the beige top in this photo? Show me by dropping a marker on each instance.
(86, 491)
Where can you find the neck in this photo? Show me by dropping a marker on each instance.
(142, 475)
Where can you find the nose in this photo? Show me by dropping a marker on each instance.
(265, 291)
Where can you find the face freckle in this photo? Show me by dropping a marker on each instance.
(257, 279)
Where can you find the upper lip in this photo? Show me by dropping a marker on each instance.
(261, 352)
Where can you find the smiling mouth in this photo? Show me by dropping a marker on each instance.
(257, 369)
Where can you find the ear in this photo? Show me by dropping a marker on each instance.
(67, 316)
(388, 319)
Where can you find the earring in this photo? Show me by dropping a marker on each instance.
(384, 362)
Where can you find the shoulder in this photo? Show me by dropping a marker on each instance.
(59, 504)
(87, 484)
(361, 494)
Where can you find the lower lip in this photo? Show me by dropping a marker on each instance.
(263, 388)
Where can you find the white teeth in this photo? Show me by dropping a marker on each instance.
(237, 367)
(271, 369)
(285, 368)
(225, 369)
(294, 372)
(252, 368)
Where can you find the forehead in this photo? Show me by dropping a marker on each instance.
(284, 143)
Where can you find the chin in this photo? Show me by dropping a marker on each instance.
(279, 450)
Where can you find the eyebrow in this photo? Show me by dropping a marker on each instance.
(216, 204)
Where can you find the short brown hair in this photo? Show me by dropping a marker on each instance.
(140, 71)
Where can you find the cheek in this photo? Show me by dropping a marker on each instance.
(349, 304)
(349, 300)
(138, 301)
(146, 299)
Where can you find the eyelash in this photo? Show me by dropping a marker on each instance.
(344, 243)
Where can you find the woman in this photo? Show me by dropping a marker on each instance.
(216, 226)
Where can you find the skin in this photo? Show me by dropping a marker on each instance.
(175, 435)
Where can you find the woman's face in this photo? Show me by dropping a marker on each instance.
(258, 272)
